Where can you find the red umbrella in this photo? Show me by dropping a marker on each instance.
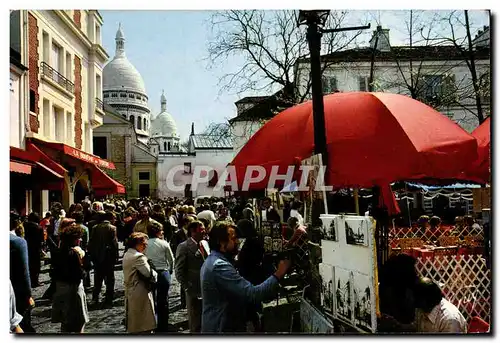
(479, 171)
(372, 139)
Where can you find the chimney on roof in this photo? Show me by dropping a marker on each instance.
(380, 39)
(192, 129)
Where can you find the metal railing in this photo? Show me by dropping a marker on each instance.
(57, 77)
(99, 104)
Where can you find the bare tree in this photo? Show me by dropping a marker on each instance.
(218, 130)
(460, 36)
(269, 43)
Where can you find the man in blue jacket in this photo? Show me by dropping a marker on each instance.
(19, 273)
(224, 292)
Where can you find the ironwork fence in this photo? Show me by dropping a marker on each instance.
(57, 77)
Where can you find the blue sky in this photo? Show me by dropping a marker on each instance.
(169, 48)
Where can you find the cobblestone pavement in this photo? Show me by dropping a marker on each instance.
(103, 320)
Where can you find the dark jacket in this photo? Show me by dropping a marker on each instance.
(103, 244)
(178, 237)
(33, 233)
(67, 266)
(19, 272)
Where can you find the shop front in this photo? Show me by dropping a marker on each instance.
(81, 174)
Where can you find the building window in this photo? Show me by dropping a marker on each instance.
(97, 34)
(69, 128)
(143, 176)
(138, 97)
(165, 147)
(32, 101)
(187, 167)
(123, 95)
(106, 95)
(100, 147)
(69, 69)
(57, 58)
(432, 89)
(144, 124)
(168, 146)
(46, 47)
(132, 120)
(329, 84)
(98, 86)
(485, 88)
(213, 178)
(114, 95)
(364, 83)
(131, 96)
(59, 123)
(139, 123)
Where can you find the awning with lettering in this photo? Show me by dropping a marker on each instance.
(103, 184)
(76, 153)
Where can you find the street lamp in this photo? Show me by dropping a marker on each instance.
(315, 21)
(318, 16)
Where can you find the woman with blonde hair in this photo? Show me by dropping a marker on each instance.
(139, 278)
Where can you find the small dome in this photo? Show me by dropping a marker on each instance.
(164, 125)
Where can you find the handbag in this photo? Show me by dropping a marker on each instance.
(150, 281)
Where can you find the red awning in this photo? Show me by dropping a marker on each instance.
(103, 184)
(37, 155)
(43, 166)
(77, 153)
(18, 167)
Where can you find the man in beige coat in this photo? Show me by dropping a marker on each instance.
(139, 304)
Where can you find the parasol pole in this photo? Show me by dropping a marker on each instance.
(356, 200)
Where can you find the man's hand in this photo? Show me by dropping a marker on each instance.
(283, 267)
(31, 302)
(18, 329)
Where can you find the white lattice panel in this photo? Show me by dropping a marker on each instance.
(463, 233)
(465, 280)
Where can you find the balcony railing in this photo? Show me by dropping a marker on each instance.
(99, 104)
(57, 77)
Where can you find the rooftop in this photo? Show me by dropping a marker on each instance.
(202, 141)
(420, 53)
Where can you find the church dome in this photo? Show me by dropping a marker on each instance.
(164, 124)
(120, 74)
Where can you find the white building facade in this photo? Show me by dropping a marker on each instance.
(441, 77)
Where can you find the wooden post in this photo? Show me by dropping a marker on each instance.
(356, 200)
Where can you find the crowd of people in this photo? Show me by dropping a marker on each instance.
(222, 282)
(213, 251)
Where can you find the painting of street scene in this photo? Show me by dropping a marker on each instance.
(362, 302)
(343, 293)
(329, 230)
(356, 231)
(326, 272)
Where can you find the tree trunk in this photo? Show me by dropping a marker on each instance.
(473, 70)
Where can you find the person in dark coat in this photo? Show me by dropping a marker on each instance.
(249, 266)
(69, 303)
(20, 274)
(33, 233)
(271, 214)
(103, 248)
